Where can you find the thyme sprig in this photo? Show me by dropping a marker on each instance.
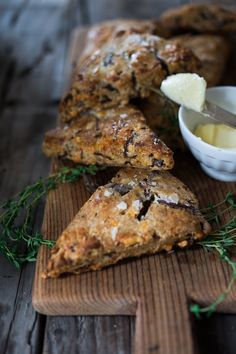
(220, 241)
(223, 238)
(18, 242)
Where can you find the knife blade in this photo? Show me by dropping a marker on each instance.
(221, 115)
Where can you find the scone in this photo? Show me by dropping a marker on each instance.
(102, 33)
(125, 69)
(139, 212)
(161, 116)
(198, 18)
(212, 50)
(113, 137)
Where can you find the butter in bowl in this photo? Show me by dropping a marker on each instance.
(211, 142)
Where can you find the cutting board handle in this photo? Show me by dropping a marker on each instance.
(163, 323)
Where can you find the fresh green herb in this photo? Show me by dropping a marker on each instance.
(221, 241)
(18, 242)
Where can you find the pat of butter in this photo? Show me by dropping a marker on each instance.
(188, 90)
(219, 135)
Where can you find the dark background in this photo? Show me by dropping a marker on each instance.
(34, 37)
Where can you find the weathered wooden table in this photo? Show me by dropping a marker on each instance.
(34, 40)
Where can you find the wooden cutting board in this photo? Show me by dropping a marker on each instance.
(156, 289)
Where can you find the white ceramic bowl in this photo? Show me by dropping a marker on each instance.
(216, 162)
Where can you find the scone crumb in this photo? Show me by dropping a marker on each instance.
(114, 231)
(183, 244)
(107, 193)
(134, 57)
(131, 183)
(122, 206)
(97, 197)
(153, 184)
(171, 198)
(156, 141)
(137, 204)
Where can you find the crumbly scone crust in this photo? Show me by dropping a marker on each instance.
(161, 116)
(198, 18)
(212, 50)
(127, 68)
(138, 212)
(107, 31)
(115, 137)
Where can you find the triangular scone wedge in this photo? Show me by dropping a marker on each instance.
(104, 32)
(114, 137)
(213, 51)
(162, 117)
(198, 18)
(139, 212)
(129, 67)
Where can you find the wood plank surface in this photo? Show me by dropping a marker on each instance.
(28, 105)
(31, 82)
(156, 289)
(97, 334)
(24, 117)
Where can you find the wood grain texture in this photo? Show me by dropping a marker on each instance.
(103, 334)
(156, 289)
(31, 81)
(28, 105)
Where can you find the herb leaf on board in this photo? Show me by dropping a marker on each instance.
(18, 242)
(221, 241)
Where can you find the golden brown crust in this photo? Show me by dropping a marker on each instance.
(212, 50)
(161, 116)
(102, 33)
(198, 18)
(115, 137)
(138, 212)
(126, 69)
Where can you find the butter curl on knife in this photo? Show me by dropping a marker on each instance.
(189, 90)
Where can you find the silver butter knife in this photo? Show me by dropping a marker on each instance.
(217, 113)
